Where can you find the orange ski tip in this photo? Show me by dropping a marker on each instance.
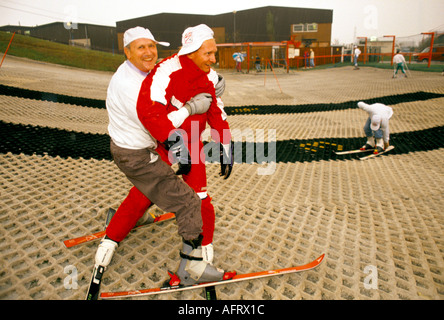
(163, 217)
(229, 275)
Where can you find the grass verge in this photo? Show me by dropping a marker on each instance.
(52, 52)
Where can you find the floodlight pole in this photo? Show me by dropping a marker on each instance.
(234, 26)
(393, 48)
(6, 51)
(365, 48)
(431, 46)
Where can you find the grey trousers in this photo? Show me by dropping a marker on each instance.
(158, 182)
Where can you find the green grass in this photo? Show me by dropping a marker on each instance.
(414, 66)
(47, 51)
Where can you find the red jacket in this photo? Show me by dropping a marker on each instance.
(172, 83)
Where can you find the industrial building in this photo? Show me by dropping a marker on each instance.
(275, 33)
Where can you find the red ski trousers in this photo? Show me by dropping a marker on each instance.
(136, 203)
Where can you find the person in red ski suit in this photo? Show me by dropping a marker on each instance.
(161, 99)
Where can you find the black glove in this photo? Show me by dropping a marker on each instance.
(226, 159)
(178, 152)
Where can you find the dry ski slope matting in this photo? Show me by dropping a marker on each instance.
(380, 222)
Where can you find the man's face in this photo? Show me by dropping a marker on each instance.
(142, 53)
(205, 56)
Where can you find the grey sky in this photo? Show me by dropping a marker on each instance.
(361, 18)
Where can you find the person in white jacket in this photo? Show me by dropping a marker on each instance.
(376, 127)
(356, 53)
(399, 61)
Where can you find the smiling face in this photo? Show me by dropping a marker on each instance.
(205, 56)
(142, 53)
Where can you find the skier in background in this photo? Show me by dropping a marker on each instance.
(399, 60)
(312, 58)
(258, 63)
(356, 54)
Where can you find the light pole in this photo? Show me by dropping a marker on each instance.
(365, 48)
(393, 48)
(234, 26)
(431, 46)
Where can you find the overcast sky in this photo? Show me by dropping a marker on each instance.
(351, 18)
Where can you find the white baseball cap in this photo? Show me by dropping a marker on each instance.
(193, 37)
(376, 122)
(140, 33)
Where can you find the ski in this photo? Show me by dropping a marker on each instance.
(351, 151)
(210, 293)
(377, 154)
(94, 286)
(232, 278)
(98, 235)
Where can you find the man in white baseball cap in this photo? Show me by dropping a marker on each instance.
(140, 33)
(140, 48)
(376, 126)
(133, 150)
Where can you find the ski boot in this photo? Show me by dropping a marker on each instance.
(193, 269)
(378, 150)
(105, 252)
(208, 253)
(379, 146)
(369, 145)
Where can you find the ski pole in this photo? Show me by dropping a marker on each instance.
(408, 70)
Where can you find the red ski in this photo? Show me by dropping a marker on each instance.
(99, 235)
(232, 278)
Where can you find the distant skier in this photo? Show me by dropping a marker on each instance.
(356, 54)
(377, 126)
(399, 60)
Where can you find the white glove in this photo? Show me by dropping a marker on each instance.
(199, 104)
(105, 252)
(220, 86)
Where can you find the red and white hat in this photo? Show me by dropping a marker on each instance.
(193, 37)
(140, 33)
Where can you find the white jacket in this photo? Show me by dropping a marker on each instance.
(399, 58)
(382, 110)
(125, 128)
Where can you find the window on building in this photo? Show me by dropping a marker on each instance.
(298, 27)
(311, 27)
(305, 27)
